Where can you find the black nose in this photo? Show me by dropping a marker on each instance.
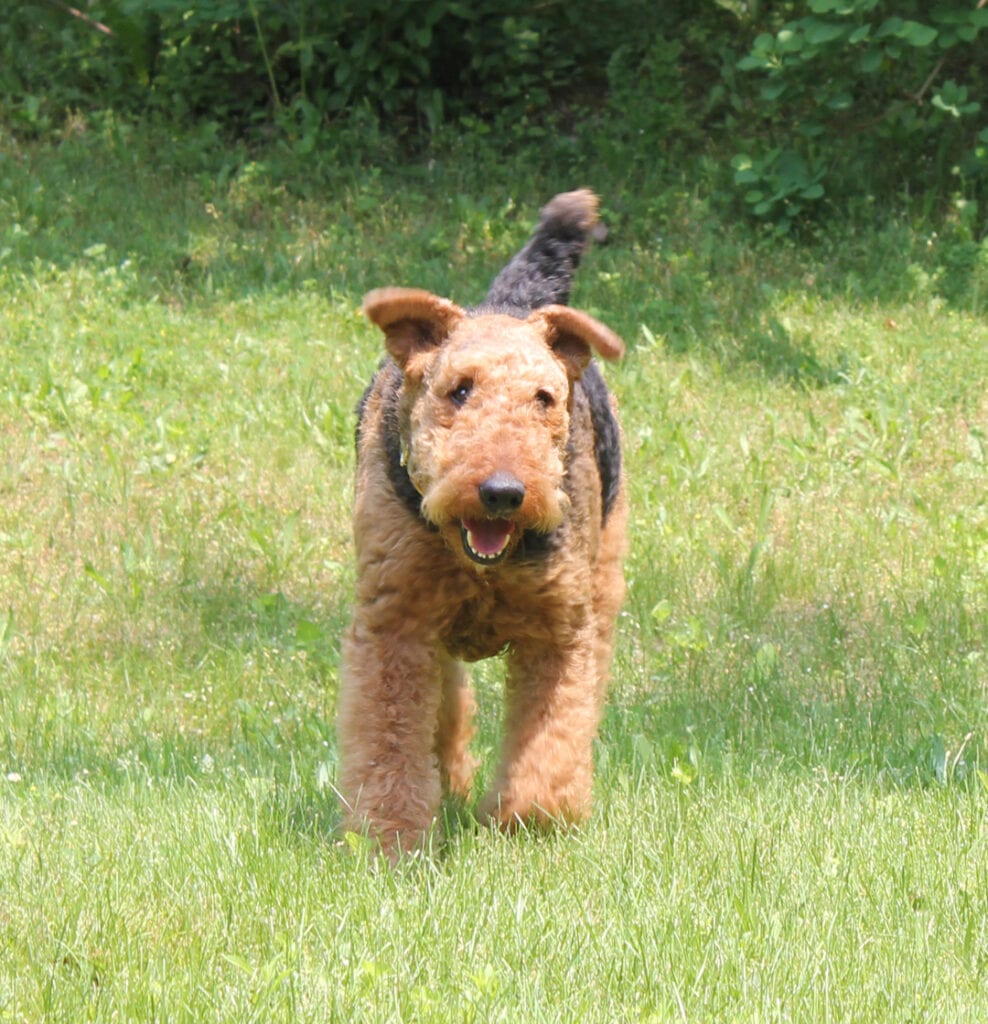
(502, 493)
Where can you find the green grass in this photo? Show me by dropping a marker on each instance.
(792, 776)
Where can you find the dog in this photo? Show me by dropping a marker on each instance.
(490, 517)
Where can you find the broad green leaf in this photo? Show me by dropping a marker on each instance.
(820, 32)
(841, 101)
(788, 41)
(916, 34)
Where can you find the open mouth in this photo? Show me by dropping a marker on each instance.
(486, 541)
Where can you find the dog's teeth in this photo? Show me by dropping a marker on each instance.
(485, 555)
(483, 546)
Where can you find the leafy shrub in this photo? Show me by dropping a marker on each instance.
(51, 63)
(779, 185)
(647, 88)
(816, 100)
(413, 63)
(862, 94)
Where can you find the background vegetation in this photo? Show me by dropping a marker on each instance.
(795, 103)
(792, 791)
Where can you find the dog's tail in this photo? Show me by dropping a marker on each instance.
(542, 272)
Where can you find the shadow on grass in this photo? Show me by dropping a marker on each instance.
(250, 621)
(897, 737)
(232, 226)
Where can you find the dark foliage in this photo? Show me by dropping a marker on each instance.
(798, 103)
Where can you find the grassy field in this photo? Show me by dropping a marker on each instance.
(793, 772)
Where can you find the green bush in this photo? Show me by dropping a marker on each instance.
(787, 106)
(859, 95)
(412, 63)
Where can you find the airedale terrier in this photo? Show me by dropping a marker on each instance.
(490, 516)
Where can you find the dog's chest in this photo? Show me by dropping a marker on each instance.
(487, 623)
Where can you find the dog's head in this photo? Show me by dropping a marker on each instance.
(484, 412)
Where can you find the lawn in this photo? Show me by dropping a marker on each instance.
(793, 770)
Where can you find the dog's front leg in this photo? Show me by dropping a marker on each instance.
(388, 707)
(552, 713)
(455, 729)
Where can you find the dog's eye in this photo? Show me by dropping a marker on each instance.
(461, 392)
(545, 398)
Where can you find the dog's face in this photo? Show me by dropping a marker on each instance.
(485, 413)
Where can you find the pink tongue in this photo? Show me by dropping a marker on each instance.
(488, 536)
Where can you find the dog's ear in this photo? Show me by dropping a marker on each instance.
(413, 320)
(574, 336)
